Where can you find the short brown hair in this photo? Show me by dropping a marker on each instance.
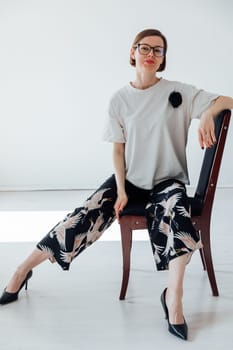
(144, 34)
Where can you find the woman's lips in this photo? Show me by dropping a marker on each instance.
(149, 61)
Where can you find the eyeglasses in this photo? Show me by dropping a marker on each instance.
(145, 49)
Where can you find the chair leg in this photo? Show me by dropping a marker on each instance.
(197, 227)
(126, 240)
(202, 258)
(208, 258)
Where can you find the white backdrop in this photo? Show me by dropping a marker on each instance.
(60, 62)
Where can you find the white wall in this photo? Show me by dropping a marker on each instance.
(61, 60)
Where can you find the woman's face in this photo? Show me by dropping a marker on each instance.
(148, 62)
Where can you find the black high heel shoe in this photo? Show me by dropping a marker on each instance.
(7, 297)
(179, 330)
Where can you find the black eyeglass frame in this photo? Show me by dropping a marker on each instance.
(153, 48)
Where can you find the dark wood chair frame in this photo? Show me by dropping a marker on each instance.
(201, 208)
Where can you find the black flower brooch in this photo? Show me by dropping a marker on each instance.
(175, 99)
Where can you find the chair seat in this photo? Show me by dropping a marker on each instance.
(138, 208)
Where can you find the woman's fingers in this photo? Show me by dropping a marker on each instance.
(206, 133)
(119, 206)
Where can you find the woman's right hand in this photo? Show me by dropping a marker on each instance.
(120, 203)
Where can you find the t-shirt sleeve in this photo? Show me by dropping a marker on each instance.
(114, 129)
(200, 101)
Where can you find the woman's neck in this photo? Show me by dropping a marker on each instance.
(144, 82)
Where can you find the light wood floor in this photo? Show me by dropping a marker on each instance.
(80, 309)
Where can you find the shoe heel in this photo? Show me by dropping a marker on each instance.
(25, 282)
(163, 302)
(26, 285)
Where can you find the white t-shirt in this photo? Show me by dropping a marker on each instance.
(154, 132)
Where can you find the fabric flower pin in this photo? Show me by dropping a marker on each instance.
(175, 98)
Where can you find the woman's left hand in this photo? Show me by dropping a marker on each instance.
(206, 133)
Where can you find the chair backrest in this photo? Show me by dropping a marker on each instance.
(212, 160)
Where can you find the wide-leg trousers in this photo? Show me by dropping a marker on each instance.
(167, 211)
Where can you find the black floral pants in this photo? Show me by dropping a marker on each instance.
(167, 211)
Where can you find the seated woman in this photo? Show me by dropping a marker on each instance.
(148, 125)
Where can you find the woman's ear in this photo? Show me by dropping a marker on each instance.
(132, 53)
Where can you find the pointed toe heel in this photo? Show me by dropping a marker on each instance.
(8, 297)
(179, 330)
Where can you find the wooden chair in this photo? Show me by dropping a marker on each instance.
(133, 215)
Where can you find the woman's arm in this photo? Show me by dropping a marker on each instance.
(206, 134)
(119, 165)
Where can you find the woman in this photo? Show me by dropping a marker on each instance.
(148, 124)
